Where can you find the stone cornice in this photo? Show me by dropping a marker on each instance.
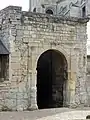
(40, 17)
(52, 18)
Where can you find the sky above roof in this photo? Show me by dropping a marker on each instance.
(23, 3)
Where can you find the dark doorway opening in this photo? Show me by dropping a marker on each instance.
(34, 10)
(4, 67)
(51, 77)
(84, 11)
(49, 12)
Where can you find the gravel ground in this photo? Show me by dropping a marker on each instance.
(49, 114)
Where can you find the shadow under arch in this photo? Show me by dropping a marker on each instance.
(51, 79)
(49, 11)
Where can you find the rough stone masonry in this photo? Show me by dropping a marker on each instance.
(27, 36)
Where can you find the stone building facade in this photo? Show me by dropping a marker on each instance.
(74, 8)
(47, 60)
(88, 78)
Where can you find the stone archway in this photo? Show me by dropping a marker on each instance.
(49, 11)
(51, 79)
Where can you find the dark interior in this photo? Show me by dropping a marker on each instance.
(50, 79)
(84, 11)
(4, 66)
(49, 12)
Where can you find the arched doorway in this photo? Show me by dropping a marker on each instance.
(51, 79)
(49, 11)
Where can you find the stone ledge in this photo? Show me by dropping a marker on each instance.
(52, 18)
(44, 17)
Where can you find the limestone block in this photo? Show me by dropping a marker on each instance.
(11, 104)
(20, 95)
(22, 105)
(26, 32)
(26, 40)
(29, 28)
(19, 33)
(15, 66)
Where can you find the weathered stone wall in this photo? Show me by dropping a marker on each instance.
(29, 35)
(88, 79)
